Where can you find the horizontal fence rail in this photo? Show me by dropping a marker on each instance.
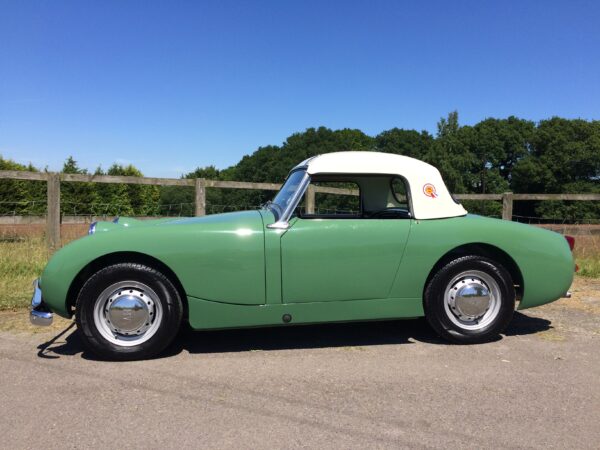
(53, 180)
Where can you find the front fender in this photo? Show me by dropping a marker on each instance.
(218, 258)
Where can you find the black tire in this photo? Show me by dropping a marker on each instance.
(438, 313)
(165, 294)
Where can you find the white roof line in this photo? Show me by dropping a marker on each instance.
(430, 197)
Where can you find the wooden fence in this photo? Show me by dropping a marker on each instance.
(54, 180)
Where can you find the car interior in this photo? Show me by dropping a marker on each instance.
(366, 197)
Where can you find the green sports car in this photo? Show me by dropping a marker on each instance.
(402, 247)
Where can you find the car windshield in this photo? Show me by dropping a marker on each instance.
(289, 188)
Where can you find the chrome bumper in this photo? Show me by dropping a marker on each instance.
(39, 315)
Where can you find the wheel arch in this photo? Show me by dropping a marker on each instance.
(119, 257)
(487, 251)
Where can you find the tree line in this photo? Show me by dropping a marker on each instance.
(556, 155)
(29, 197)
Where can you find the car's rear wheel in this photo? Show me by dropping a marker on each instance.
(470, 300)
(128, 311)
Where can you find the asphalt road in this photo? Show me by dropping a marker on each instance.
(376, 385)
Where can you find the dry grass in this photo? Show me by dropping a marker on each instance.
(21, 261)
(17, 321)
(23, 255)
(589, 267)
(587, 255)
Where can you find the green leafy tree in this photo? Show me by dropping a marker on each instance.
(114, 198)
(179, 200)
(18, 196)
(272, 163)
(495, 146)
(405, 142)
(449, 154)
(77, 198)
(133, 199)
(480, 158)
(495, 155)
(564, 157)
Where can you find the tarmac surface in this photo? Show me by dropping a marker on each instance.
(364, 385)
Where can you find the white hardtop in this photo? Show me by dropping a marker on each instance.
(429, 196)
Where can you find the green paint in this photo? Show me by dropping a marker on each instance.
(542, 256)
(318, 270)
(210, 315)
(219, 257)
(325, 260)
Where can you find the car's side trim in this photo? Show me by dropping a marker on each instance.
(204, 315)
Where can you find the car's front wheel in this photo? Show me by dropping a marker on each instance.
(128, 311)
(470, 300)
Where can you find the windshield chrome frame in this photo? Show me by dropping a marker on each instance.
(282, 222)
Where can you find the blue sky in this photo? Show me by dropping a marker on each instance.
(169, 86)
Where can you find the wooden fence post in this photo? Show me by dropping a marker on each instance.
(200, 197)
(507, 206)
(53, 211)
(310, 199)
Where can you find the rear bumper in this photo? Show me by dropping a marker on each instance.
(40, 314)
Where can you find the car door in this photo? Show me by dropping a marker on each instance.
(336, 259)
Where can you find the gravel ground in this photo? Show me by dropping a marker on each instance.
(379, 384)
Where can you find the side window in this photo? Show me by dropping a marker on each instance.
(359, 197)
(399, 193)
(332, 199)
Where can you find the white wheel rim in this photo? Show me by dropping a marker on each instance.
(127, 313)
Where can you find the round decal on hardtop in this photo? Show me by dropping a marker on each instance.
(429, 190)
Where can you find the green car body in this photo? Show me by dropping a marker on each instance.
(402, 247)
(234, 270)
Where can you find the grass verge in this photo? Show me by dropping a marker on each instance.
(21, 261)
(588, 267)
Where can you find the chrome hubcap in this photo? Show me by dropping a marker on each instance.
(472, 300)
(127, 313)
